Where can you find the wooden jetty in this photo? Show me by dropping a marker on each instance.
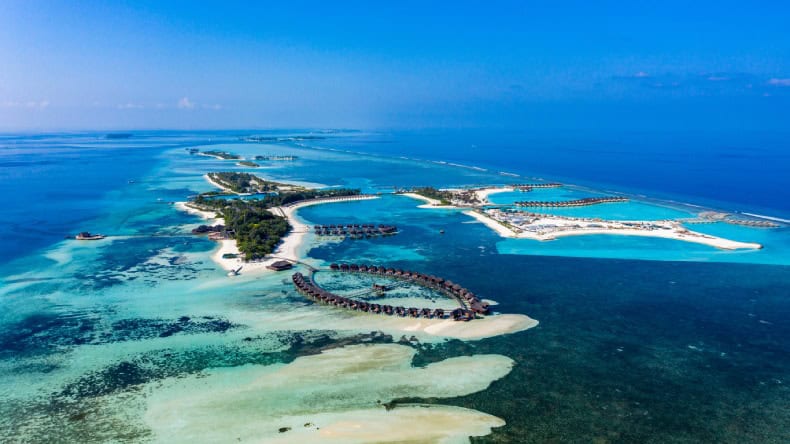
(526, 187)
(471, 305)
(355, 231)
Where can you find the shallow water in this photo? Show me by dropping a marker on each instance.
(97, 337)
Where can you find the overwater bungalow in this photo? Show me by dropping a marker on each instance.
(280, 266)
(471, 305)
(572, 203)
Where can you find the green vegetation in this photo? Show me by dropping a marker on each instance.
(222, 155)
(217, 193)
(430, 192)
(244, 182)
(249, 164)
(256, 230)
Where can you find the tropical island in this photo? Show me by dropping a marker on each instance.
(282, 157)
(258, 225)
(222, 155)
(246, 183)
(455, 197)
(247, 163)
(508, 221)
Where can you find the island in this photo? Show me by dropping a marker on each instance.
(277, 157)
(222, 155)
(510, 221)
(256, 226)
(247, 163)
(232, 182)
(457, 197)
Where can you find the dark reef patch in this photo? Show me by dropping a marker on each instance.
(142, 258)
(45, 333)
(162, 364)
(81, 412)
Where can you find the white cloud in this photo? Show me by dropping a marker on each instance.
(185, 103)
(641, 75)
(30, 104)
(215, 106)
(130, 106)
(779, 82)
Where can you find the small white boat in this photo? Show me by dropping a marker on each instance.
(235, 272)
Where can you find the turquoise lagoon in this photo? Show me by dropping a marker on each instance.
(639, 339)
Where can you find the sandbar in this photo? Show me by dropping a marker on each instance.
(429, 202)
(335, 396)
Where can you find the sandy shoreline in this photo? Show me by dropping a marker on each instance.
(429, 203)
(492, 224)
(208, 215)
(335, 396)
(218, 185)
(217, 157)
(289, 248)
(690, 236)
(482, 195)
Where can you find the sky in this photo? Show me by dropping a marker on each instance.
(82, 65)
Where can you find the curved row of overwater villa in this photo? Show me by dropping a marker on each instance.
(532, 186)
(471, 305)
(354, 230)
(571, 203)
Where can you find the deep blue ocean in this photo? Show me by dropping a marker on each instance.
(740, 171)
(691, 347)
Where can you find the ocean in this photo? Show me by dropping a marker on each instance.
(639, 339)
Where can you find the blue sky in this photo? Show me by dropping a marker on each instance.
(555, 65)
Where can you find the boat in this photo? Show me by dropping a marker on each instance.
(88, 236)
(235, 272)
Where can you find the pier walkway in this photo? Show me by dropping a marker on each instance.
(571, 203)
(470, 304)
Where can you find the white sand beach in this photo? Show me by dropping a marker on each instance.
(429, 203)
(336, 396)
(210, 216)
(482, 195)
(218, 185)
(669, 231)
(217, 157)
(289, 248)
